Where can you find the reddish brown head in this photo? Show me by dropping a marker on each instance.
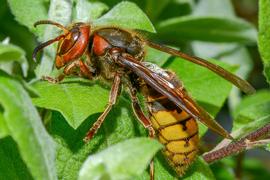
(72, 43)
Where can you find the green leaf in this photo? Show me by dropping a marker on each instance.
(231, 53)
(153, 9)
(264, 35)
(119, 125)
(11, 164)
(223, 171)
(25, 127)
(75, 99)
(251, 109)
(124, 160)
(250, 127)
(27, 12)
(251, 114)
(10, 53)
(126, 15)
(87, 11)
(61, 12)
(201, 28)
(157, 57)
(199, 170)
(3, 127)
(214, 8)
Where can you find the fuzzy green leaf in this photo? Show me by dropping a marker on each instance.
(75, 99)
(199, 170)
(251, 114)
(121, 161)
(211, 29)
(25, 127)
(10, 53)
(126, 15)
(157, 57)
(251, 109)
(119, 125)
(27, 12)
(264, 35)
(87, 11)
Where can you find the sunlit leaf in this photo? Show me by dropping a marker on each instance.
(121, 161)
(251, 109)
(87, 11)
(157, 57)
(264, 35)
(25, 127)
(11, 53)
(27, 12)
(199, 170)
(251, 114)
(126, 15)
(75, 99)
(72, 152)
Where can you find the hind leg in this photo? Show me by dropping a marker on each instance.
(143, 120)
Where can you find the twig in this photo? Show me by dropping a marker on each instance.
(247, 142)
(239, 165)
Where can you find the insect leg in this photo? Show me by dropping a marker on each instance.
(143, 120)
(112, 100)
(71, 69)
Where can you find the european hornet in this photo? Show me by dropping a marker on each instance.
(117, 55)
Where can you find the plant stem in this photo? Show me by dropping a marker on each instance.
(245, 143)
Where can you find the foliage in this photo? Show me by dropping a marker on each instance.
(106, 165)
(264, 36)
(42, 125)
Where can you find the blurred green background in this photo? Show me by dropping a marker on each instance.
(189, 36)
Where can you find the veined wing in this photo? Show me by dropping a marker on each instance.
(175, 94)
(237, 81)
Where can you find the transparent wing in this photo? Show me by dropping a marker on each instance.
(175, 94)
(237, 81)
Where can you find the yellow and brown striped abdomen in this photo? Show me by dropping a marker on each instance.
(174, 128)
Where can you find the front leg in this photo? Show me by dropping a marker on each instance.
(112, 100)
(84, 71)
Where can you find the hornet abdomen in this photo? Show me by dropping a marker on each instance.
(175, 129)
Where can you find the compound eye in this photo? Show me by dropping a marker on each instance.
(66, 44)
